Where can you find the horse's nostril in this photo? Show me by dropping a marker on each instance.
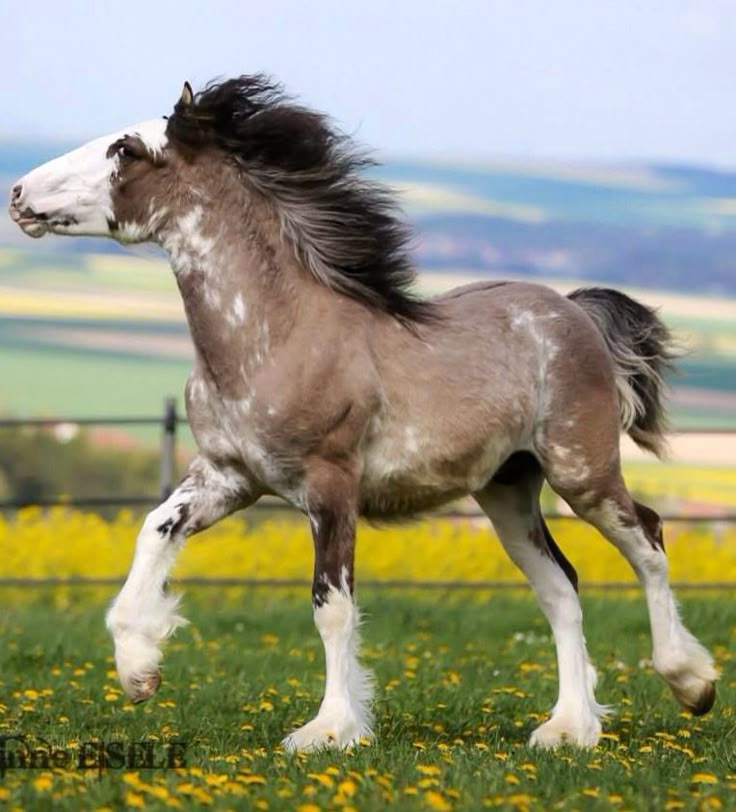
(17, 191)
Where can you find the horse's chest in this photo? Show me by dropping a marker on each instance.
(245, 432)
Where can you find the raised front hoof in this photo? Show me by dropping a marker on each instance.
(144, 687)
(704, 702)
(321, 734)
(557, 732)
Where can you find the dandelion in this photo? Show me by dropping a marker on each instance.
(323, 779)
(43, 782)
(520, 800)
(347, 787)
(704, 778)
(434, 800)
(213, 780)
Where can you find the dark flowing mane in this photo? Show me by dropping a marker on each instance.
(346, 228)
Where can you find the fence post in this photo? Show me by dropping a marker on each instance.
(167, 466)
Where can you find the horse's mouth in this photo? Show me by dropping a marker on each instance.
(33, 227)
(34, 224)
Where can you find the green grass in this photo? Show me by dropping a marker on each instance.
(462, 677)
(73, 383)
(68, 382)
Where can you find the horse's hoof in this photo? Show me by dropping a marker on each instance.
(705, 701)
(146, 687)
(327, 732)
(557, 731)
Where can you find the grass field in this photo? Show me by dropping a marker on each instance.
(462, 679)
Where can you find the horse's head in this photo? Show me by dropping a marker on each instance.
(113, 186)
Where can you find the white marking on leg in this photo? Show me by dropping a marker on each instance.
(576, 715)
(345, 715)
(677, 655)
(143, 616)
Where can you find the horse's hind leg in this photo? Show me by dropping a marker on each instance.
(636, 530)
(511, 501)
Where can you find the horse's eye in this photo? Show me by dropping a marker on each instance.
(124, 151)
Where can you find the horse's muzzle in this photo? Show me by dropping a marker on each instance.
(32, 223)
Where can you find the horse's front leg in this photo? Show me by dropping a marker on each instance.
(345, 715)
(143, 615)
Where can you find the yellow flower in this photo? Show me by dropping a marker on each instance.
(56, 543)
(134, 799)
(428, 769)
(202, 795)
(43, 782)
(704, 778)
(252, 779)
(213, 780)
(322, 778)
(435, 800)
(347, 787)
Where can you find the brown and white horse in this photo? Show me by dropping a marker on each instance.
(320, 378)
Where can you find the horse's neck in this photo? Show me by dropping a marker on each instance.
(239, 291)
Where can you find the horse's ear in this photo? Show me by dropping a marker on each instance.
(187, 96)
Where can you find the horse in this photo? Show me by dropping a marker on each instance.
(321, 377)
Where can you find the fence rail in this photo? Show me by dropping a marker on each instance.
(170, 419)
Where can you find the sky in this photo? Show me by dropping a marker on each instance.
(471, 80)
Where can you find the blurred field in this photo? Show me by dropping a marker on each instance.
(58, 543)
(104, 335)
(124, 315)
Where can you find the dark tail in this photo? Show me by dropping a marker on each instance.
(643, 351)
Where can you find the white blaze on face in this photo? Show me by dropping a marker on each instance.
(72, 194)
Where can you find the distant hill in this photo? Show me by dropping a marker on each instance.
(670, 227)
(89, 327)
